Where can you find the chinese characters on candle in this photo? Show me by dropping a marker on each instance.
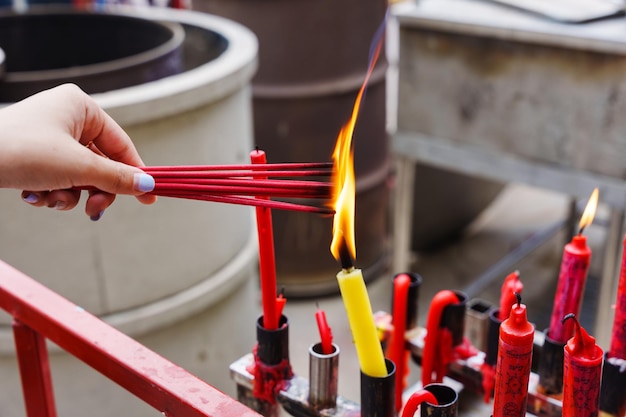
(513, 367)
(582, 368)
(572, 277)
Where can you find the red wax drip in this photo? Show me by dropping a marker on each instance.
(618, 336)
(515, 350)
(511, 285)
(267, 262)
(417, 398)
(398, 343)
(326, 334)
(570, 287)
(269, 379)
(582, 369)
(437, 351)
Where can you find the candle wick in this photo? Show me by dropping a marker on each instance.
(345, 258)
(581, 230)
(519, 298)
(569, 316)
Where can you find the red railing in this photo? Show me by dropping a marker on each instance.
(40, 314)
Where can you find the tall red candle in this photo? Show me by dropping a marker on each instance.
(397, 346)
(582, 370)
(618, 336)
(510, 287)
(570, 286)
(572, 277)
(326, 335)
(515, 349)
(267, 262)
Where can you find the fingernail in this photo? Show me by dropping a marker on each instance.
(143, 182)
(60, 205)
(97, 217)
(31, 198)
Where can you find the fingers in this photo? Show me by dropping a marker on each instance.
(97, 202)
(56, 199)
(111, 140)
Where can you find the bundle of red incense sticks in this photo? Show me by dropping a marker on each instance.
(242, 184)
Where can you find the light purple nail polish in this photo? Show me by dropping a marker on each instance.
(143, 183)
(31, 198)
(97, 217)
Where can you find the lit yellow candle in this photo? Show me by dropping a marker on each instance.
(361, 319)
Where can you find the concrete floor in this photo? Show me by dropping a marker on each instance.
(518, 213)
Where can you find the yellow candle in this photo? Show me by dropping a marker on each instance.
(361, 319)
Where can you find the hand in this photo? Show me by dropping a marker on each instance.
(59, 139)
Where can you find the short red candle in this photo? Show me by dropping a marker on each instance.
(515, 349)
(510, 287)
(267, 262)
(618, 336)
(397, 345)
(570, 286)
(325, 333)
(582, 370)
(280, 305)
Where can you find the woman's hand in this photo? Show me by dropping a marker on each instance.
(59, 139)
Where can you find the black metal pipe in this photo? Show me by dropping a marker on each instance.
(447, 399)
(551, 366)
(273, 345)
(378, 393)
(613, 388)
(493, 335)
(453, 318)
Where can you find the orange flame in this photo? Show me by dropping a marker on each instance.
(590, 211)
(344, 182)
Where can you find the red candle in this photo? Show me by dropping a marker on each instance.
(325, 333)
(582, 369)
(397, 345)
(437, 342)
(618, 336)
(570, 286)
(511, 285)
(572, 277)
(417, 398)
(267, 263)
(515, 349)
(280, 304)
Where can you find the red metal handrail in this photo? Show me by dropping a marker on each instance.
(40, 313)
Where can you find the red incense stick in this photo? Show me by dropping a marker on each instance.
(240, 167)
(248, 201)
(236, 173)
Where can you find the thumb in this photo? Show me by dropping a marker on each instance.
(118, 178)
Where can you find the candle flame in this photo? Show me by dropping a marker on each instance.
(344, 181)
(590, 211)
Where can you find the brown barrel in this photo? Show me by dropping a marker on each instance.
(313, 56)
